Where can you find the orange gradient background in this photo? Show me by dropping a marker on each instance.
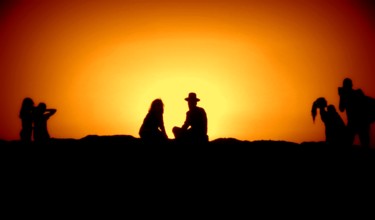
(257, 66)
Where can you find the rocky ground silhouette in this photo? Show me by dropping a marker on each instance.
(106, 169)
(220, 150)
(123, 163)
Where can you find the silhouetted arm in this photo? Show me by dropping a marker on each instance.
(323, 114)
(186, 124)
(206, 123)
(162, 128)
(342, 103)
(50, 112)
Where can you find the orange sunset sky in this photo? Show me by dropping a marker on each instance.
(257, 66)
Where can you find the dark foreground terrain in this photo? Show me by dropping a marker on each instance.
(224, 172)
(229, 151)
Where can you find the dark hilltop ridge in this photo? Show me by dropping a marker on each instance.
(224, 148)
(223, 159)
(131, 141)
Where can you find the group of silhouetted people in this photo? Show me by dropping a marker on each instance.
(193, 131)
(360, 112)
(34, 121)
(152, 131)
(359, 108)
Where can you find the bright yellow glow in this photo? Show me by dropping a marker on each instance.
(167, 69)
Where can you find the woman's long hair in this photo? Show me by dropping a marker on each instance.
(319, 103)
(157, 106)
(26, 107)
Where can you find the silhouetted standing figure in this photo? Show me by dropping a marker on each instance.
(335, 129)
(354, 102)
(41, 116)
(194, 129)
(152, 129)
(26, 116)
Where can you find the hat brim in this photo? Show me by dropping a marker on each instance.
(192, 99)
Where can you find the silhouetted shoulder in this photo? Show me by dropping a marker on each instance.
(359, 92)
(201, 109)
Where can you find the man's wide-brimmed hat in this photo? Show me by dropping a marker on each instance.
(192, 97)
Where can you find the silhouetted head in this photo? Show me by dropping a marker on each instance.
(157, 106)
(319, 103)
(27, 103)
(27, 106)
(41, 108)
(347, 83)
(192, 99)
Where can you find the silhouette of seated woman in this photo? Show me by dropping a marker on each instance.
(152, 129)
(26, 116)
(359, 111)
(335, 129)
(41, 116)
(194, 129)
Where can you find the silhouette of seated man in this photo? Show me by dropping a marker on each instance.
(194, 129)
(335, 129)
(356, 105)
(152, 129)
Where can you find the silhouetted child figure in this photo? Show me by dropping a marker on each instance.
(152, 129)
(355, 103)
(26, 116)
(335, 129)
(194, 129)
(41, 116)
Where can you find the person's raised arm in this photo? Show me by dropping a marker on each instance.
(50, 112)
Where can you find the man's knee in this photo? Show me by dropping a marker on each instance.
(176, 132)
